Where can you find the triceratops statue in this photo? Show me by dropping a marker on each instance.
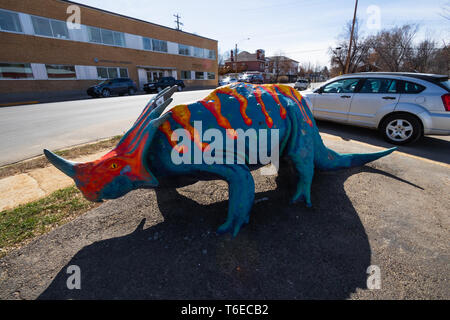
(149, 153)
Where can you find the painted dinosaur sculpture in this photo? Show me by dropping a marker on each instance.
(145, 154)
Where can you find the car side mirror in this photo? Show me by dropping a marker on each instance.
(319, 90)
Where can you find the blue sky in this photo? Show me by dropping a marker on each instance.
(302, 30)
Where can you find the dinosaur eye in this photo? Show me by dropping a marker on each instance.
(113, 165)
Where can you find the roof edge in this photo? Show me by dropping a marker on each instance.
(136, 19)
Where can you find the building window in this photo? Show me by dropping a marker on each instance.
(159, 45)
(199, 75)
(94, 35)
(9, 21)
(119, 39)
(211, 54)
(107, 36)
(15, 71)
(185, 75)
(184, 50)
(60, 71)
(59, 29)
(50, 28)
(111, 72)
(198, 52)
(42, 26)
(123, 72)
(112, 38)
(211, 75)
(147, 43)
(102, 73)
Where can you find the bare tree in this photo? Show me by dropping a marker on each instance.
(359, 54)
(446, 11)
(441, 61)
(421, 57)
(393, 47)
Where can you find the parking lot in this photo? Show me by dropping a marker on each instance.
(392, 213)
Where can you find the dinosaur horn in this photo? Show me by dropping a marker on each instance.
(153, 126)
(68, 167)
(154, 103)
(160, 98)
(156, 112)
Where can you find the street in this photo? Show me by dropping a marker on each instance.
(27, 129)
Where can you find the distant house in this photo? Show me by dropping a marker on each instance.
(273, 69)
(282, 68)
(246, 61)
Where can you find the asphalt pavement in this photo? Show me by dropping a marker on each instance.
(390, 215)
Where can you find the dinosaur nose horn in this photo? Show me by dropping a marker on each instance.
(68, 167)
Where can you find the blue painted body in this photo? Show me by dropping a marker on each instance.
(299, 140)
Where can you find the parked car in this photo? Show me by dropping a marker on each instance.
(252, 78)
(301, 84)
(226, 81)
(162, 83)
(402, 106)
(114, 86)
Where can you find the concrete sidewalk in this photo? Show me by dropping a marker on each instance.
(37, 183)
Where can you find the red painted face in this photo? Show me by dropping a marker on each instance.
(116, 172)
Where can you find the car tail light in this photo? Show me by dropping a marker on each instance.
(446, 101)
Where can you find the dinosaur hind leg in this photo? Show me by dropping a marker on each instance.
(305, 170)
(301, 152)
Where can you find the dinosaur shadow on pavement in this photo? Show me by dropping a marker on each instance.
(286, 252)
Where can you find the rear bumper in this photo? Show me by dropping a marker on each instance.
(436, 123)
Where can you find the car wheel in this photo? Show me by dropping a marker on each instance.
(106, 93)
(401, 129)
(131, 91)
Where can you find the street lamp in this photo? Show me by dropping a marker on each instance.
(236, 53)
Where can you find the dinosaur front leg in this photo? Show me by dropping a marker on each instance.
(241, 193)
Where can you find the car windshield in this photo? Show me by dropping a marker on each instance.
(103, 82)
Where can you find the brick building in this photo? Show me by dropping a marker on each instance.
(279, 67)
(41, 55)
(245, 61)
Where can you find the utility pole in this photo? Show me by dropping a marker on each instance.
(236, 52)
(178, 21)
(236, 58)
(347, 61)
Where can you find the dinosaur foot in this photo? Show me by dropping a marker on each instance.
(301, 198)
(233, 226)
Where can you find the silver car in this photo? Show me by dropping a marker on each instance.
(403, 106)
(301, 84)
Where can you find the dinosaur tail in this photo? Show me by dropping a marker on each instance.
(327, 159)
